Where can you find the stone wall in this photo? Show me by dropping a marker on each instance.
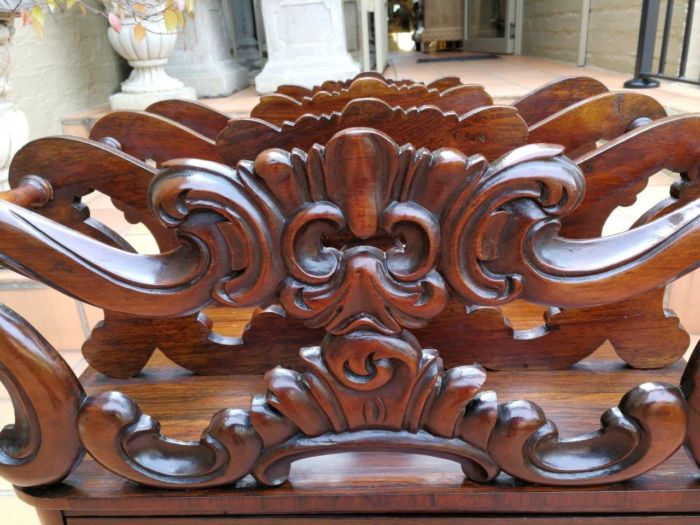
(551, 29)
(72, 69)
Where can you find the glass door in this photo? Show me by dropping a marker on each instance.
(489, 26)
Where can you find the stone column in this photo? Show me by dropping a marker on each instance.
(204, 58)
(305, 44)
(14, 129)
(247, 48)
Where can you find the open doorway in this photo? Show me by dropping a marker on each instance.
(476, 26)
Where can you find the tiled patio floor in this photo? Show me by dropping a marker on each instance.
(66, 322)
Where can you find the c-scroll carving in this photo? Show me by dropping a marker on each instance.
(366, 391)
(42, 446)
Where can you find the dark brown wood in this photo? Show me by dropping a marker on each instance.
(299, 92)
(30, 191)
(197, 116)
(150, 137)
(361, 238)
(278, 108)
(580, 126)
(192, 343)
(42, 445)
(655, 350)
(491, 131)
(559, 94)
(383, 520)
(380, 483)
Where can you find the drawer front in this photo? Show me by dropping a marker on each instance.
(391, 520)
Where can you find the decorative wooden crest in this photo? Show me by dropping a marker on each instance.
(299, 92)
(277, 108)
(491, 131)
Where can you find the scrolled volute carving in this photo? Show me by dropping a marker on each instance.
(247, 234)
(42, 446)
(114, 430)
(367, 392)
(474, 221)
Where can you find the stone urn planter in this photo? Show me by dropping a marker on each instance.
(148, 82)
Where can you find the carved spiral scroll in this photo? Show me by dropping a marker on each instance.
(371, 392)
(645, 430)
(129, 443)
(42, 446)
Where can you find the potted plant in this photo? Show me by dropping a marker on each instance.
(143, 32)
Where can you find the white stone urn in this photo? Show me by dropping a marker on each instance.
(148, 82)
(14, 128)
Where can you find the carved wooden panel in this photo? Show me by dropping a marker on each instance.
(491, 131)
(369, 392)
(661, 344)
(278, 108)
(364, 238)
(197, 116)
(148, 136)
(555, 96)
(299, 92)
(580, 126)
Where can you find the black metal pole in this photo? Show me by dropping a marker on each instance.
(645, 46)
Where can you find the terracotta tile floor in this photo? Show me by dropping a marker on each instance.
(66, 322)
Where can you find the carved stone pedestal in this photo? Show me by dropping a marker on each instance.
(305, 44)
(203, 57)
(14, 129)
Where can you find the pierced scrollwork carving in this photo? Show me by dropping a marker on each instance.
(366, 391)
(129, 443)
(643, 431)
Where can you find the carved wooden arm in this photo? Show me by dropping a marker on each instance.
(231, 226)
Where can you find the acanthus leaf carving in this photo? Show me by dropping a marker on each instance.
(372, 392)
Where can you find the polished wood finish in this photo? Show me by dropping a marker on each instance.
(491, 131)
(557, 341)
(380, 484)
(278, 108)
(194, 115)
(556, 96)
(361, 239)
(299, 92)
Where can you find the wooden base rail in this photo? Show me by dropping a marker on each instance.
(362, 392)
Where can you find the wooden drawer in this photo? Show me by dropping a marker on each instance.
(393, 520)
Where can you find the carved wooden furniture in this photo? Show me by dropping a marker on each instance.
(366, 241)
(576, 111)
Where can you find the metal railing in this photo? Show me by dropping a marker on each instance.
(644, 74)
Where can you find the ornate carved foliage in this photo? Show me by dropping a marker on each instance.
(370, 392)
